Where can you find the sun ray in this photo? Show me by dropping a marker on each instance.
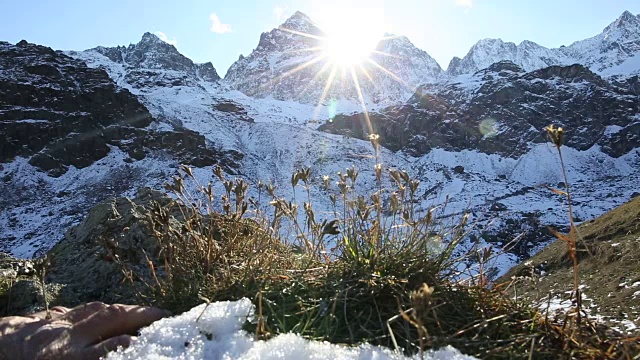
(394, 76)
(362, 103)
(289, 72)
(302, 34)
(315, 78)
(386, 54)
(325, 91)
(373, 83)
(366, 73)
(301, 67)
(315, 48)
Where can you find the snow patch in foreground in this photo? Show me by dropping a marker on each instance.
(218, 334)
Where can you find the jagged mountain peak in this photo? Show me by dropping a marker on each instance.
(148, 37)
(616, 50)
(530, 44)
(152, 57)
(416, 61)
(391, 40)
(298, 21)
(286, 62)
(527, 55)
(605, 53)
(289, 36)
(626, 27)
(626, 18)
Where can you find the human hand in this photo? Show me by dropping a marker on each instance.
(87, 331)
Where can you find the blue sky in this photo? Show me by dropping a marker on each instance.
(220, 30)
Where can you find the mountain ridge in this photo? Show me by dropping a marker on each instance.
(251, 130)
(603, 53)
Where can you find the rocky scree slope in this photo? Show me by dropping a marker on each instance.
(615, 51)
(285, 67)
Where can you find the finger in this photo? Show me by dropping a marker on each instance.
(99, 350)
(115, 320)
(56, 312)
(60, 309)
(83, 311)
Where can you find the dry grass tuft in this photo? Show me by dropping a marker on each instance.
(389, 277)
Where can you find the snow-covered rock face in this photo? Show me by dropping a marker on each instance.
(528, 55)
(71, 138)
(154, 62)
(615, 51)
(487, 167)
(503, 109)
(283, 67)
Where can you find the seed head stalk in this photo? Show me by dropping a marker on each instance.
(556, 135)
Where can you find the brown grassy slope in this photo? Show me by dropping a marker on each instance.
(609, 264)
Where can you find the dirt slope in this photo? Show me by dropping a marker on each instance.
(609, 256)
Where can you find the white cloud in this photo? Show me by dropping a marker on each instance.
(465, 3)
(166, 39)
(279, 11)
(217, 26)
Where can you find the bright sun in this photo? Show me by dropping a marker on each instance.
(349, 48)
(350, 37)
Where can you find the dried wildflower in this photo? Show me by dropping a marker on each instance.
(352, 173)
(325, 181)
(295, 177)
(375, 198)
(331, 227)
(305, 174)
(187, 170)
(311, 217)
(344, 188)
(555, 135)
(395, 202)
(217, 171)
(413, 186)
(375, 141)
(177, 186)
(209, 191)
(271, 190)
(421, 299)
(378, 169)
(399, 176)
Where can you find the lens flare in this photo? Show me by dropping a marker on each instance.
(489, 127)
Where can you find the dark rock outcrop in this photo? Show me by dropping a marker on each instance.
(58, 112)
(503, 110)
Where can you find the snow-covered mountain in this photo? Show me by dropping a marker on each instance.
(502, 109)
(153, 54)
(285, 66)
(528, 55)
(474, 140)
(615, 51)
